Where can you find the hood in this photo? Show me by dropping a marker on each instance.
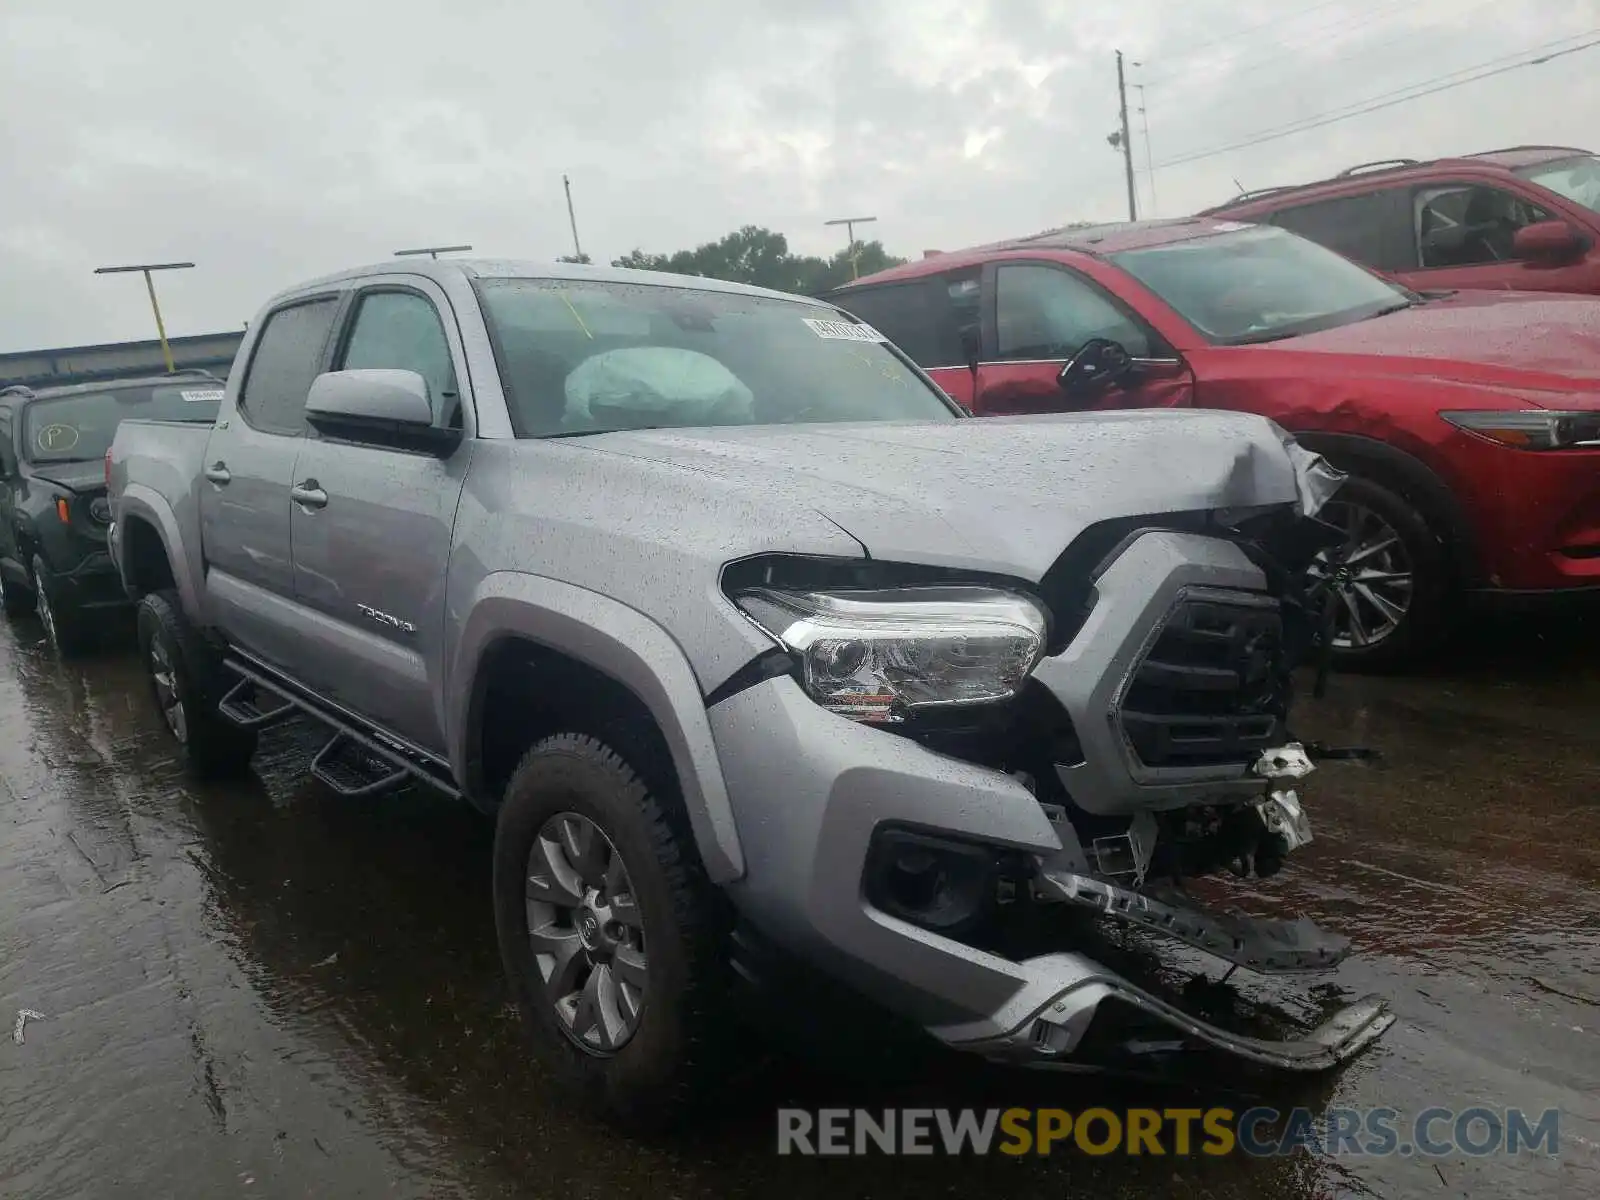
(997, 494)
(79, 477)
(1518, 340)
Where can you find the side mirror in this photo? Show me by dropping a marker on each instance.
(383, 407)
(1548, 242)
(1099, 363)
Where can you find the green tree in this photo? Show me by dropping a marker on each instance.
(761, 257)
(575, 258)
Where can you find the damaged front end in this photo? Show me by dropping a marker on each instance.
(1157, 743)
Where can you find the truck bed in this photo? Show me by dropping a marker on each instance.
(151, 459)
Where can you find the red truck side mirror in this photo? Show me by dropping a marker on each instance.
(1548, 242)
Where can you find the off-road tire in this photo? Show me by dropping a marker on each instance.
(678, 1054)
(1428, 623)
(213, 748)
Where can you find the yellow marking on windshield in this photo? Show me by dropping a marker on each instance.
(575, 316)
(884, 365)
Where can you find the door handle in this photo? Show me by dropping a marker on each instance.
(218, 472)
(308, 494)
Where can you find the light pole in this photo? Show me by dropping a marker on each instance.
(431, 251)
(149, 284)
(850, 224)
(572, 218)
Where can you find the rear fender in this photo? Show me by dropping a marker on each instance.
(140, 503)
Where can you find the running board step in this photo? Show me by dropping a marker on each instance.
(353, 770)
(242, 706)
(1266, 946)
(359, 759)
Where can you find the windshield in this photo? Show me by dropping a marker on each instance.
(1260, 284)
(1576, 179)
(80, 428)
(579, 356)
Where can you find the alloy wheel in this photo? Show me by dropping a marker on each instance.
(164, 678)
(1370, 575)
(587, 935)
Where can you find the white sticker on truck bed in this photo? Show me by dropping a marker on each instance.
(201, 396)
(843, 331)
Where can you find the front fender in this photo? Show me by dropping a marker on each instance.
(140, 503)
(623, 644)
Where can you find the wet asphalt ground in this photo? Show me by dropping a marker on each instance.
(265, 990)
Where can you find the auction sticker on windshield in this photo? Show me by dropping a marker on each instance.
(200, 397)
(843, 331)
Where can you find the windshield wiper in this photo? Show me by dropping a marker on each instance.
(573, 433)
(56, 462)
(1398, 306)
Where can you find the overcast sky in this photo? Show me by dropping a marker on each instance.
(272, 142)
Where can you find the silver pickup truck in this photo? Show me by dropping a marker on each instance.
(757, 648)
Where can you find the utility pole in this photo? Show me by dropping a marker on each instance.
(850, 224)
(572, 219)
(1126, 141)
(149, 284)
(431, 251)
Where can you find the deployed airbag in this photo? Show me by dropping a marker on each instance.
(655, 385)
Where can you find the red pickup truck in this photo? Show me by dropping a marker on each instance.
(1470, 421)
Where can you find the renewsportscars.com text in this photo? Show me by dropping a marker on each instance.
(1260, 1132)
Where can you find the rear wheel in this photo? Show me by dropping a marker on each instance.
(185, 683)
(1389, 580)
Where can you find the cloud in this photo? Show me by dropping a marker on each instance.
(272, 148)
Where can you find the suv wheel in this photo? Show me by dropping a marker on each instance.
(184, 675)
(15, 600)
(1389, 579)
(609, 933)
(63, 624)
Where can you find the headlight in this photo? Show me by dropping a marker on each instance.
(880, 655)
(1531, 429)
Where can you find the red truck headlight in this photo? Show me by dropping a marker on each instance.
(1531, 429)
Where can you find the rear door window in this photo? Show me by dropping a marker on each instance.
(1371, 228)
(924, 317)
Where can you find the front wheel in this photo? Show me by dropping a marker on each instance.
(1389, 580)
(184, 678)
(609, 933)
(63, 623)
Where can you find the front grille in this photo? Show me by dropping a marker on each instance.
(1212, 690)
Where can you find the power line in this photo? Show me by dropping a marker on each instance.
(1341, 28)
(1378, 103)
(1276, 63)
(1237, 34)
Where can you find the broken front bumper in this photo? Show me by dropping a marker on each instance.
(1050, 1035)
(812, 791)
